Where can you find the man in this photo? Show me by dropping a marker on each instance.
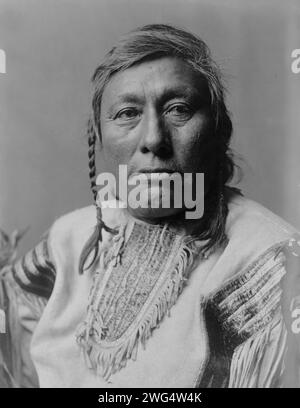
(150, 297)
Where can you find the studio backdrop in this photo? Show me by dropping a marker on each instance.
(53, 46)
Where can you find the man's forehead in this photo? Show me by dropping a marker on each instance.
(163, 77)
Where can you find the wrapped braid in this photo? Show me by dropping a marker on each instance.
(92, 157)
(93, 242)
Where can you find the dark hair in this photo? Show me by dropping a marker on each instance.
(154, 41)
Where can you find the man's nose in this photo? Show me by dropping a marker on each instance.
(155, 137)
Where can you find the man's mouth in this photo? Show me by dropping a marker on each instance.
(153, 174)
(156, 170)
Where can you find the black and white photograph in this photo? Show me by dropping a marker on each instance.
(150, 195)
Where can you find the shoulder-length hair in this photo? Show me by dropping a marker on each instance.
(152, 42)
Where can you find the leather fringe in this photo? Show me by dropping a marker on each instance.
(107, 359)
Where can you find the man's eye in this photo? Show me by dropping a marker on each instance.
(127, 114)
(180, 111)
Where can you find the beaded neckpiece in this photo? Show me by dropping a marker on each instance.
(135, 287)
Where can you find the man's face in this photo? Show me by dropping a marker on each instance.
(155, 118)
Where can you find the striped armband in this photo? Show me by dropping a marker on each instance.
(35, 272)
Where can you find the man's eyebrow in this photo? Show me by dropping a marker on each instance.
(179, 92)
(129, 97)
(164, 95)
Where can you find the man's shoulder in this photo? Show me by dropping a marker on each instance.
(248, 220)
(80, 219)
(256, 237)
(77, 225)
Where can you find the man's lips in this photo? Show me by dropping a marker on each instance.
(153, 174)
(155, 170)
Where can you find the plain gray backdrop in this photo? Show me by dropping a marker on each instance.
(52, 48)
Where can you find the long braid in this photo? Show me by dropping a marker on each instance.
(93, 242)
(92, 157)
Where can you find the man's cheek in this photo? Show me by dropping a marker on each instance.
(111, 153)
(188, 157)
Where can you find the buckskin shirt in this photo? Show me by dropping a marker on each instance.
(151, 312)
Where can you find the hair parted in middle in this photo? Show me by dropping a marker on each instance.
(148, 43)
